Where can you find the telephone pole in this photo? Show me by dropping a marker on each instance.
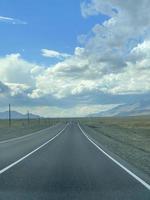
(39, 121)
(28, 118)
(9, 115)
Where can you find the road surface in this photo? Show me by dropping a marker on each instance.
(61, 163)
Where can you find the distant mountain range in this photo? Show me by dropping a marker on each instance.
(132, 109)
(16, 115)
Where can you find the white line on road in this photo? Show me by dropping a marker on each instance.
(118, 163)
(24, 157)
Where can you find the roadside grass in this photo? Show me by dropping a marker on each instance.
(127, 137)
(20, 127)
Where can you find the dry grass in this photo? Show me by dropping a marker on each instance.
(21, 127)
(128, 137)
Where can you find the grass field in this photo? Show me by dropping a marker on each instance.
(22, 127)
(127, 137)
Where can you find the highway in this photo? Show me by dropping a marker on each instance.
(62, 163)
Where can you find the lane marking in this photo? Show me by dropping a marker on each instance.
(115, 161)
(27, 155)
(25, 136)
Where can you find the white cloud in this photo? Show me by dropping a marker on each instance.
(19, 75)
(79, 51)
(4, 89)
(12, 20)
(75, 76)
(16, 89)
(80, 75)
(14, 69)
(141, 52)
(54, 54)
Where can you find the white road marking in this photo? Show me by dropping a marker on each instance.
(118, 163)
(24, 136)
(24, 157)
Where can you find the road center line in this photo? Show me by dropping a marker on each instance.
(29, 154)
(118, 163)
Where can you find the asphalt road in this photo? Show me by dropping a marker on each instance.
(63, 165)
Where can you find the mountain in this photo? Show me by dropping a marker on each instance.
(16, 115)
(132, 109)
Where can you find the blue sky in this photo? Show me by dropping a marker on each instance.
(73, 57)
(51, 24)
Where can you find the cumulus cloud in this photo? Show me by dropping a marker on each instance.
(18, 74)
(141, 52)
(11, 20)
(119, 48)
(14, 69)
(4, 89)
(128, 25)
(54, 54)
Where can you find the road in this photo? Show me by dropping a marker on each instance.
(61, 163)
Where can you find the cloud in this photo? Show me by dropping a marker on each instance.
(141, 52)
(11, 20)
(18, 74)
(14, 69)
(4, 89)
(71, 84)
(53, 111)
(54, 54)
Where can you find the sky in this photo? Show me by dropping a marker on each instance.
(61, 58)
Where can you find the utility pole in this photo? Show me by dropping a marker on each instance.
(39, 121)
(28, 116)
(9, 115)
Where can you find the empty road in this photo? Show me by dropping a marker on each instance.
(61, 163)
